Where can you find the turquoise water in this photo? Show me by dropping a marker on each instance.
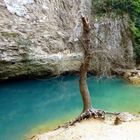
(31, 104)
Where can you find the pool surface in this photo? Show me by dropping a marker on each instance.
(27, 106)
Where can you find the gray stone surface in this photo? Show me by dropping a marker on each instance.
(40, 37)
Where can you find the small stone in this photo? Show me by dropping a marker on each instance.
(117, 121)
(123, 117)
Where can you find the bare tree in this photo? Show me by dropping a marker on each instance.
(106, 63)
(85, 66)
(88, 53)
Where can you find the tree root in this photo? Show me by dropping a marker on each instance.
(89, 113)
(92, 113)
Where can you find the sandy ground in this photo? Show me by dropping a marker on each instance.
(92, 129)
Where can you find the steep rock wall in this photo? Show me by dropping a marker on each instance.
(40, 37)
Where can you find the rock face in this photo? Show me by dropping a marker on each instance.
(133, 76)
(41, 37)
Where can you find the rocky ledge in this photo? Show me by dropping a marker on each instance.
(133, 76)
(49, 65)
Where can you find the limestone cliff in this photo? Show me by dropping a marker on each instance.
(41, 37)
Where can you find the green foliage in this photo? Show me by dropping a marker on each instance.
(132, 7)
(9, 34)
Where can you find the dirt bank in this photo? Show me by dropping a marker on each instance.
(93, 129)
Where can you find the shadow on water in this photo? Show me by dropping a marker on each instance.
(28, 106)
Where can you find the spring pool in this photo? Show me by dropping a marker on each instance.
(28, 106)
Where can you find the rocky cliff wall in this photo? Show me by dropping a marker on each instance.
(41, 37)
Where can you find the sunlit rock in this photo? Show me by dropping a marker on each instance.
(123, 117)
(18, 6)
(133, 76)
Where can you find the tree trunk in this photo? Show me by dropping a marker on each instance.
(87, 104)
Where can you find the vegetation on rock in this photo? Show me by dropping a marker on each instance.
(131, 7)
